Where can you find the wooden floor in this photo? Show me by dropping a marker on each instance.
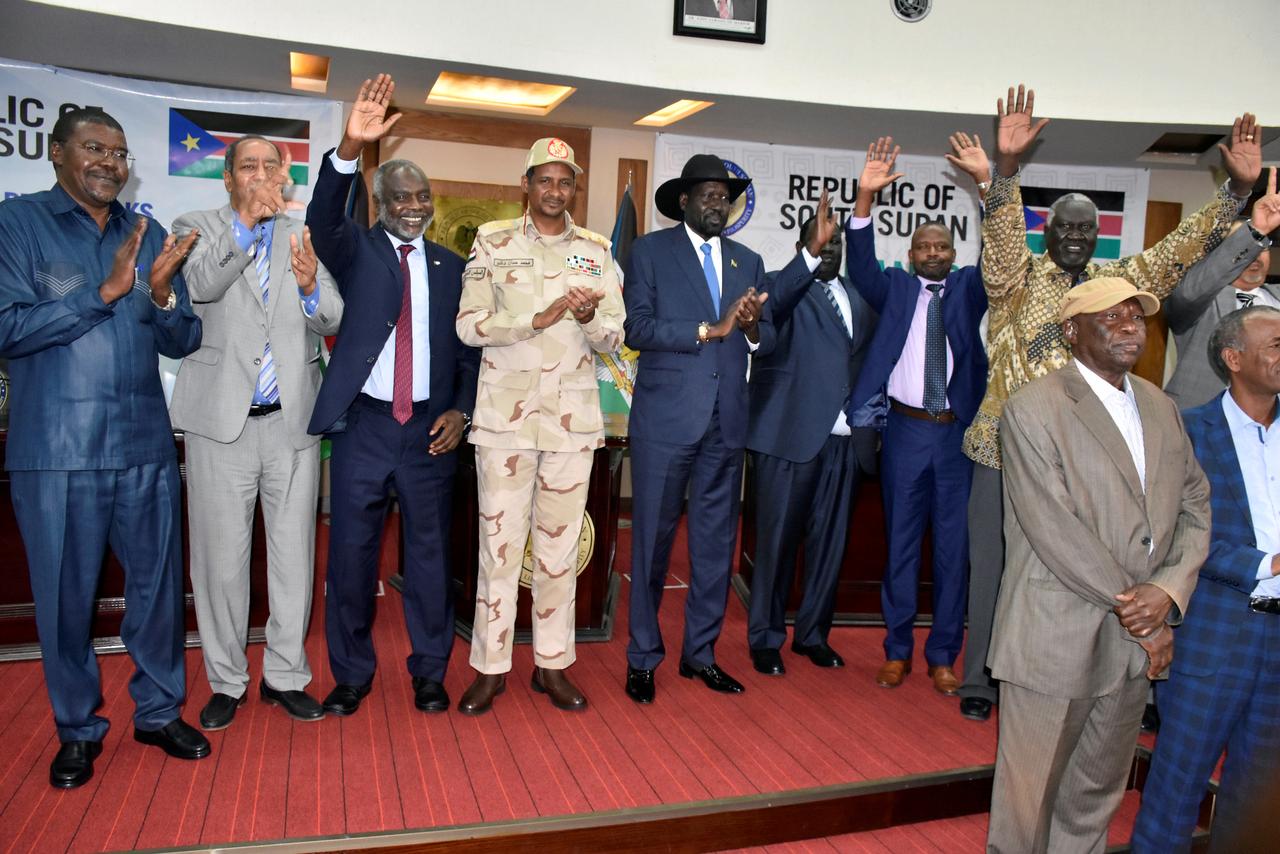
(392, 768)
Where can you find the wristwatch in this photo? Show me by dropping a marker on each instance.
(704, 329)
(466, 422)
(1257, 236)
(169, 305)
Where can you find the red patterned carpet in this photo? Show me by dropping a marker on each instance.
(392, 768)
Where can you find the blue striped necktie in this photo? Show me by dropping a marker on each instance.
(268, 390)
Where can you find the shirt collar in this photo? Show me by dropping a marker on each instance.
(924, 284)
(418, 243)
(697, 240)
(1105, 390)
(531, 231)
(61, 202)
(1237, 418)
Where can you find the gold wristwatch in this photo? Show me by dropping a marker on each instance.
(704, 329)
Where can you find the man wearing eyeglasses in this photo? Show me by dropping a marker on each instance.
(89, 295)
(243, 401)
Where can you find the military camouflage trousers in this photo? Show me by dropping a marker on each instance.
(520, 491)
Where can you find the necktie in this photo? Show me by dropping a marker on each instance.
(268, 390)
(1246, 300)
(402, 384)
(713, 282)
(829, 290)
(935, 353)
(723, 7)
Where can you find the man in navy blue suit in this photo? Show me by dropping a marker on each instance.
(694, 313)
(807, 454)
(396, 400)
(928, 357)
(1224, 685)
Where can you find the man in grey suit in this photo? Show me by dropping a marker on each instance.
(1231, 277)
(243, 400)
(1106, 524)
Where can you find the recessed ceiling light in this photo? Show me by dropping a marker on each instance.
(673, 113)
(310, 72)
(496, 93)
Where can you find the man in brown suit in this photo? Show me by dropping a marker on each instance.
(1106, 525)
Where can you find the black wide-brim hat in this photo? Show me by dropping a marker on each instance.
(701, 167)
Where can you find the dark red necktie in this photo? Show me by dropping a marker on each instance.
(402, 384)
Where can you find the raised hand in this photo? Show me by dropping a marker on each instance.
(1243, 159)
(303, 261)
(877, 172)
(368, 120)
(967, 156)
(1266, 210)
(824, 226)
(124, 266)
(1016, 128)
(171, 256)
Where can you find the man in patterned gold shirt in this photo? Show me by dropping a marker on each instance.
(541, 296)
(1024, 338)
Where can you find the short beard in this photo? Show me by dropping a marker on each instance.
(387, 226)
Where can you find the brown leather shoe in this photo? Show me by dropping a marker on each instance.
(893, 672)
(944, 680)
(556, 685)
(479, 697)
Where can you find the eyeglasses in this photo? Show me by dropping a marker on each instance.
(101, 152)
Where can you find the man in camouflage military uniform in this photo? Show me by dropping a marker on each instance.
(1024, 336)
(541, 296)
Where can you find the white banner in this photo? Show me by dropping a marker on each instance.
(177, 133)
(787, 181)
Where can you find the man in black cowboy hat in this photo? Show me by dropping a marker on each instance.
(694, 313)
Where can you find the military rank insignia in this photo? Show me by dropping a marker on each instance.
(583, 264)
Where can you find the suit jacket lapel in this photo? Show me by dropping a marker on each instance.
(1225, 301)
(1153, 434)
(1094, 416)
(688, 260)
(1222, 447)
(386, 254)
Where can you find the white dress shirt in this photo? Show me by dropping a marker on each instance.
(841, 427)
(1122, 406)
(381, 381)
(717, 261)
(1258, 451)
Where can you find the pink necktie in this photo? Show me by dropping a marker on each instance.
(402, 384)
(723, 5)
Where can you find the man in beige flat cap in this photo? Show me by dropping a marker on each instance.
(1106, 524)
(541, 296)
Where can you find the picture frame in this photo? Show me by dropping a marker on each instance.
(701, 19)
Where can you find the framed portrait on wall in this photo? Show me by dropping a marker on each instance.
(734, 20)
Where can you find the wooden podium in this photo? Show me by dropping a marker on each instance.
(865, 555)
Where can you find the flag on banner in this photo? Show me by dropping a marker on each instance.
(616, 372)
(1036, 202)
(198, 141)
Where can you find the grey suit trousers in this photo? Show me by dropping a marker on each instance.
(224, 482)
(1060, 768)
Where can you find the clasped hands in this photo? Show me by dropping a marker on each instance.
(1142, 611)
(744, 313)
(578, 301)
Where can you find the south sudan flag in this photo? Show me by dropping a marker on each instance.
(198, 141)
(1036, 202)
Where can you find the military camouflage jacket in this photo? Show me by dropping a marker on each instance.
(538, 388)
(1024, 293)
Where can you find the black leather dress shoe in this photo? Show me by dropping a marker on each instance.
(220, 711)
(298, 705)
(767, 661)
(975, 708)
(73, 766)
(429, 696)
(640, 685)
(820, 654)
(176, 738)
(713, 677)
(345, 699)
